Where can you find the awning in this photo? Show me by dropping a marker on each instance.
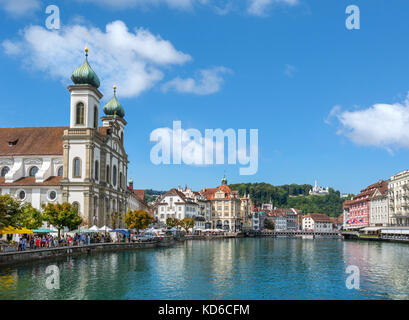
(371, 229)
(11, 230)
(44, 230)
(123, 231)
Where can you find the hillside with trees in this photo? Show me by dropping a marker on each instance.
(293, 196)
(151, 195)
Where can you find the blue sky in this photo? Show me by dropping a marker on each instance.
(329, 103)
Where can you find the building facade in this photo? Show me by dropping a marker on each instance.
(318, 191)
(359, 207)
(226, 210)
(246, 208)
(317, 222)
(285, 218)
(84, 164)
(379, 207)
(398, 197)
(175, 204)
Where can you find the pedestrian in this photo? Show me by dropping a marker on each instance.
(38, 242)
(24, 243)
(20, 245)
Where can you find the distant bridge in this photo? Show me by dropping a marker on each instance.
(295, 233)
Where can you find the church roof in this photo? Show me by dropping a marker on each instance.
(85, 75)
(113, 107)
(29, 141)
(140, 193)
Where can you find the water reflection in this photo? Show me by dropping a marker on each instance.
(222, 269)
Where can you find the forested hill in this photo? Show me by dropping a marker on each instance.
(293, 196)
(151, 195)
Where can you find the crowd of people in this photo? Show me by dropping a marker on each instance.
(42, 241)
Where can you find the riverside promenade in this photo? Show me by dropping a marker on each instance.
(9, 258)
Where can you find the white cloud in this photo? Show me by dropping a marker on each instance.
(18, 8)
(290, 70)
(206, 82)
(220, 7)
(11, 48)
(121, 4)
(382, 125)
(260, 7)
(134, 60)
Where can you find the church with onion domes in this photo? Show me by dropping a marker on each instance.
(84, 163)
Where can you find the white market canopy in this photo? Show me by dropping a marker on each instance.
(105, 229)
(94, 228)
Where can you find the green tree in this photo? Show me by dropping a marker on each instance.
(173, 223)
(114, 218)
(61, 215)
(29, 217)
(269, 224)
(9, 211)
(138, 219)
(187, 223)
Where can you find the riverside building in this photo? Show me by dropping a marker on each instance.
(84, 163)
(398, 196)
(226, 210)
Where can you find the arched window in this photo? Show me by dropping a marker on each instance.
(114, 176)
(96, 170)
(79, 113)
(76, 168)
(95, 117)
(120, 180)
(107, 173)
(60, 171)
(21, 194)
(4, 171)
(122, 138)
(33, 171)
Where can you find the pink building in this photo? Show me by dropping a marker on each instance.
(359, 207)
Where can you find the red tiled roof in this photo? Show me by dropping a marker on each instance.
(347, 203)
(30, 181)
(369, 191)
(209, 193)
(140, 193)
(31, 141)
(281, 211)
(383, 188)
(318, 217)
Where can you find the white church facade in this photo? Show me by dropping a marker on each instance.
(84, 164)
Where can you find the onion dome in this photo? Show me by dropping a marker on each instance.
(84, 74)
(113, 107)
(224, 181)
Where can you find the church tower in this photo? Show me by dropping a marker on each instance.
(85, 97)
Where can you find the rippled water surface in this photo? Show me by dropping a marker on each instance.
(222, 269)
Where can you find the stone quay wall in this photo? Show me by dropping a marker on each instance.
(10, 258)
